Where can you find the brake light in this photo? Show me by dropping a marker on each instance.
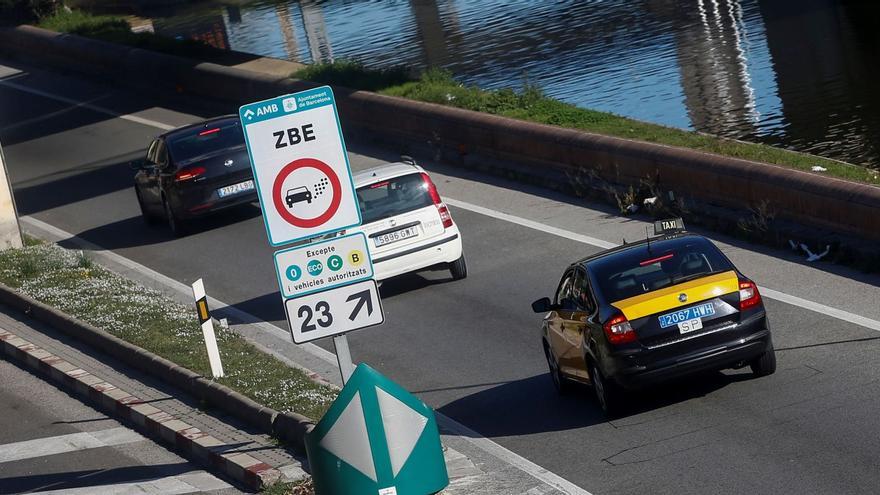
(656, 260)
(445, 216)
(188, 173)
(748, 295)
(619, 331)
(209, 131)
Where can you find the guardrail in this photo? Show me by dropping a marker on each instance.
(835, 205)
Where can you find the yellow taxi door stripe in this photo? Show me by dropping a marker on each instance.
(667, 298)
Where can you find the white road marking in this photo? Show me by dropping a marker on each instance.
(196, 481)
(39, 447)
(592, 241)
(469, 435)
(90, 106)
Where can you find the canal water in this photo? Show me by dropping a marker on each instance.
(800, 74)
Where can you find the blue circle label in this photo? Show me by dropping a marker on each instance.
(315, 268)
(293, 273)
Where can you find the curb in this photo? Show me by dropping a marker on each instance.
(192, 442)
(469, 138)
(290, 427)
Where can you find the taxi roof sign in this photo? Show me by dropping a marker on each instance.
(668, 226)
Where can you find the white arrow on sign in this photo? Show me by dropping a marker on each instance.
(334, 311)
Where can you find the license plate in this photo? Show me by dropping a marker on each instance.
(687, 314)
(397, 235)
(690, 325)
(235, 188)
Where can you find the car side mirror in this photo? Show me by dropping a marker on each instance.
(542, 305)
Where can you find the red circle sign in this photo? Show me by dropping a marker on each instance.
(279, 200)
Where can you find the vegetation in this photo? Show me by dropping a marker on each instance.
(26, 10)
(70, 281)
(117, 30)
(530, 103)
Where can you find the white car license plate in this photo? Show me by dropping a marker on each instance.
(235, 188)
(397, 235)
(690, 325)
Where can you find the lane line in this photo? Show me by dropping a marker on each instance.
(592, 241)
(89, 106)
(61, 444)
(194, 482)
(220, 307)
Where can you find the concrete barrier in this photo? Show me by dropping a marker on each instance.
(835, 205)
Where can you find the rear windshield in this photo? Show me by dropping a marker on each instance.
(393, 197)
(207, 140)
(638, 271)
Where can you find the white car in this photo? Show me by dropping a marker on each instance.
(408, 227)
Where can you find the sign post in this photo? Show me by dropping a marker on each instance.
(304, 183)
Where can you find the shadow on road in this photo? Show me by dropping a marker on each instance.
(531, 405)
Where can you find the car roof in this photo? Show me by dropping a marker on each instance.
(384, 172)
(661, 242)
(223, 119)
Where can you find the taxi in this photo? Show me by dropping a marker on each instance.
(652, 310)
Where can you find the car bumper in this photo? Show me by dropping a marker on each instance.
(740, 344)
(445, 249)
(194, 209)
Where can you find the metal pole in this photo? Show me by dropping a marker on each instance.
(343, 355)
(10, 231)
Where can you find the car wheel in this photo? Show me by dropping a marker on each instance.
(458, 268)
(765, 364)
(560, 383)
(148, 217)
(178, 227)
(608, 394)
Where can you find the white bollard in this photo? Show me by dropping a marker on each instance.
(207, 328)
(10, 233)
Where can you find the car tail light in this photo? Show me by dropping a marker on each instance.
(748, 294)
(445, 216)
(188, 173)
(209, 131)
(619, 331)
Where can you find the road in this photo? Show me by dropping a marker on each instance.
(52, 443)
(471, 348)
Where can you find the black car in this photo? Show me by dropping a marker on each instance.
(193, 171)
(650, 311)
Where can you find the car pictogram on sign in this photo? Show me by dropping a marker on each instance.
(298, 194)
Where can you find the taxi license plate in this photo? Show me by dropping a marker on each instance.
(684, 319)
(397, 235)
(235, 188)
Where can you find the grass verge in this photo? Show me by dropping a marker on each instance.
(117, 30)
(531, 104)
(73, 283)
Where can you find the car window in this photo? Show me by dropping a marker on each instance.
(630, 273)
(151, 152)
(204, 141)
(393, 197)
(563, 293)
(580, 290)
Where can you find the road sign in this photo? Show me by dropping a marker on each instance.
(334, 311)
(323, 265)
(300, 165)
(376, 438)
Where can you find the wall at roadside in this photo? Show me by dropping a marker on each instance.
(526, 149)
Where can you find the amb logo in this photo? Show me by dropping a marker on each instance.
(267, 109)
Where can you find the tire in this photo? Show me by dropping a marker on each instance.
(560, 383)
(608, 394)
(148, 217)
(765, 364)
(458, 268)
(178, 227)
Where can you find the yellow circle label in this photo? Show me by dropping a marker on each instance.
(356, 257)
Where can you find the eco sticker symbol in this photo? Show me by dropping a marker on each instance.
(315, 268)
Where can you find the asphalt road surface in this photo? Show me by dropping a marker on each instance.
(52, 443)
(471, 348)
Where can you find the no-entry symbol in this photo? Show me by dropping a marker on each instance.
(300, 166)
(310, 186)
